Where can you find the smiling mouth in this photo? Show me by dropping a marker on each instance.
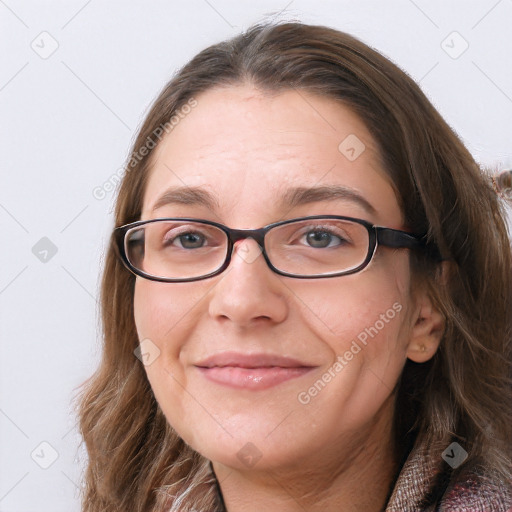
(252, 378)
(251, 371)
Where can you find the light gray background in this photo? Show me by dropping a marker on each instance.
(68, 120)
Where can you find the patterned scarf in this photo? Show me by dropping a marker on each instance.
(427, 485)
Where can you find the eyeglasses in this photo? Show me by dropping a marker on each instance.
(175, 250)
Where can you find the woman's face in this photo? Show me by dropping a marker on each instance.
(252, 368)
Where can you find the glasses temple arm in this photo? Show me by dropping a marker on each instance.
(400, 239)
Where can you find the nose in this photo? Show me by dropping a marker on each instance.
(248, 292)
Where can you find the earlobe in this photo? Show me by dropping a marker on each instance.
(427, 332)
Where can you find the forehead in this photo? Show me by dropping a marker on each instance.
(248, 148)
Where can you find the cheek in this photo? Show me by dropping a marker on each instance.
(165, 318)
(364, 322)
(369, 307)
(151, 312)
(163, 311)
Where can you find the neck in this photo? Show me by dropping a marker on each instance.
(355, 474)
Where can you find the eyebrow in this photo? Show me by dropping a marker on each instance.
(187, 195)
(303, 195)
(295, 196)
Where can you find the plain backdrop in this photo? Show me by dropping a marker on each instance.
(76, 78)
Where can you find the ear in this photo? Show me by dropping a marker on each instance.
(427, 331)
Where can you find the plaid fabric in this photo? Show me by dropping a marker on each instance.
(426, 485)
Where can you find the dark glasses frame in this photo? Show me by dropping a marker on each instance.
(377, 235)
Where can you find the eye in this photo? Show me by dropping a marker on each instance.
(185, 239)
(320, 238)
(176, 236)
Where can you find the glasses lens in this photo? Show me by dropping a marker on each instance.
(316, 247)
(176, 249)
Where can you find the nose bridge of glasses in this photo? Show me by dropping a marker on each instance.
(241, 234)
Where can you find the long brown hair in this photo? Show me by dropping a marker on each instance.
(136, 461)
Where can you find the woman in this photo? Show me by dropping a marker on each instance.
(266, 346)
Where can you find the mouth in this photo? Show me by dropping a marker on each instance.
(251, 371)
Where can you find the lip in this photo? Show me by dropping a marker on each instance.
(251, 371)
(240, 360)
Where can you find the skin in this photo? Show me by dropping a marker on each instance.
(247, 148)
